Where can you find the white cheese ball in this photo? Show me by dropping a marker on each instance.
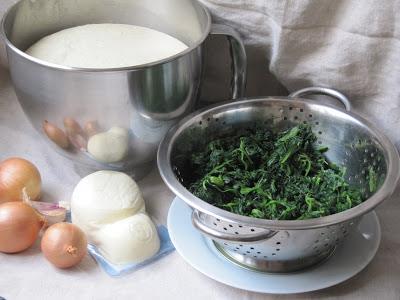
(110, 146)
(131, 240)
(102, 198)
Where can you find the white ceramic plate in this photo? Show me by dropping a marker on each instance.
(348, 259)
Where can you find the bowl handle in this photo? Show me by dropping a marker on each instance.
(323, 91)
(238, 56)
(215, 234)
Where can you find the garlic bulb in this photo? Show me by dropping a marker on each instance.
(102, 198)
(129, 240)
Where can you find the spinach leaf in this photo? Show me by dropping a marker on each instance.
(262, 174)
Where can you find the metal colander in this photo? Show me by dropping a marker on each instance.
(275, 245)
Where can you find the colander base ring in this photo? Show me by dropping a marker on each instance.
(273, 266)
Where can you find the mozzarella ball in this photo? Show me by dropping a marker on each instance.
(110, 146)
(102, 198)
(131, 240)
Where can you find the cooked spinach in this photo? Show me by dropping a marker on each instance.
(256, 172)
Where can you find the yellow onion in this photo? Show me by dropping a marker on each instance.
(19, 226)
(64, 245)
(19, 180)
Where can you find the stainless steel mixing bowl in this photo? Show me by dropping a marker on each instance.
(277, 245)
(146, 100)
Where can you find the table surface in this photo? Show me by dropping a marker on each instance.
(29, 275)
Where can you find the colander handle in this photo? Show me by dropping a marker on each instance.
(238, 56)
(215, 234)
(323, 91)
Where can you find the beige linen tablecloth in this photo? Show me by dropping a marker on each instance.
(346, 44)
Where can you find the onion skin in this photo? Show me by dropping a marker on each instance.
(19, 227)
(19, 179)
(64, 245)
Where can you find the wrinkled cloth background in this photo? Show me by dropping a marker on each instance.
(349, 45)
(352, 46)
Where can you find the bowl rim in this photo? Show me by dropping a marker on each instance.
(390, 152)
(43, 63)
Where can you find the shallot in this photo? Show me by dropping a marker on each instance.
(64, 245)
(56, 134)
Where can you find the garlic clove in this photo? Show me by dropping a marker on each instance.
(72, 127)
(91, 128)
(65, 204)
(53, 213)
(55, 134)
(78, 141)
